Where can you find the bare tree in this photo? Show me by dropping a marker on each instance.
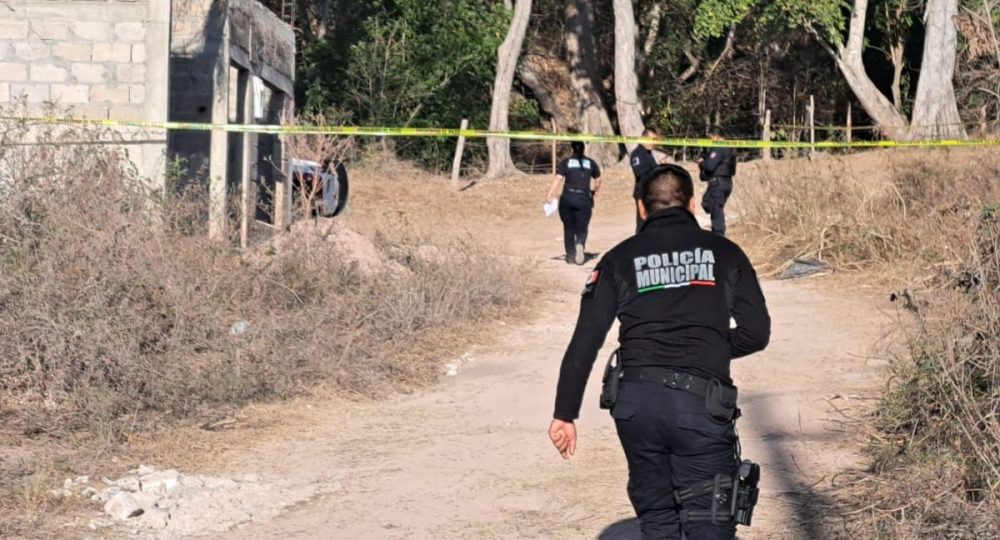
(626, 81)
(935, 111)
(585, 79)
(500, 162)
(849, 60)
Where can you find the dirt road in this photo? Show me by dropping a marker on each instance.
(470, 457)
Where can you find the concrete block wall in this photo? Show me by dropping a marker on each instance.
(208, 38)
(98, 58)
(198, 36)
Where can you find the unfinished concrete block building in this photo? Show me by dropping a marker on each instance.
(204, 61)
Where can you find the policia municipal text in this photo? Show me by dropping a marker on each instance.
(673, 287)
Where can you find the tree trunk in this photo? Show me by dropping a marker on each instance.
(897, 59)
(652, 34)
(626, 82)
(655, 14)
(548, 79)
(897, 50)
(886, 116)
(507, 55)
(585, 81)
(935, 111)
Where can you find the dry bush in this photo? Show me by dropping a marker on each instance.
(936, 450)
(111, 308)
(899, 214)
(116, 311)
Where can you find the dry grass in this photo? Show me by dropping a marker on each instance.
(936, 444)
(927, 225)
(117, 313)
(901, 216)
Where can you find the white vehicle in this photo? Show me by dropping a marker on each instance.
(329, 198)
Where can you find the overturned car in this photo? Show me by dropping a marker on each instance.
(324, 185)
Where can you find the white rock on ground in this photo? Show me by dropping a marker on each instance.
(128, 483)
(122, 506)
(160, 481)
(147, 500)
(155, 518)
(105, 496)
(168, 505)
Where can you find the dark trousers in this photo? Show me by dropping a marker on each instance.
(714, 202)
(575, 213)
(671, 442)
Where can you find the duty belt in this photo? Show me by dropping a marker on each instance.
(574, 190)
(669, 377)
(720, 399)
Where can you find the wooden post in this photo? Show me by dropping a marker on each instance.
(766, 136)
(456, 166)
(850, 129)
(812, 127)
(283, 188)
(555, 154)
(246, 179)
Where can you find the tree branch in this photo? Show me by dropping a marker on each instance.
(726, 51)
(695, 64)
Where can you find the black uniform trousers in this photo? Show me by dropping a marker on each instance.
(575, 211)
(714, 202)
(670, 443)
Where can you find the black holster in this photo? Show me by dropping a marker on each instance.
(609, 383)
(720, 401)
(733, 497)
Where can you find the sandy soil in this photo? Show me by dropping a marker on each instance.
(470, 457)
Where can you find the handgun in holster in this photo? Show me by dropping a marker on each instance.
(609, 383)
(733, 497)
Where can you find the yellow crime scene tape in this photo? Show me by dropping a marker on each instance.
(369, 131)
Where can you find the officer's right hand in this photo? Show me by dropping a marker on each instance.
(563, 437)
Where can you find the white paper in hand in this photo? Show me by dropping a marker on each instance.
(551, 207)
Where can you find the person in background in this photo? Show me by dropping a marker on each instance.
(581, 179)
(718, 167)
(643, 160)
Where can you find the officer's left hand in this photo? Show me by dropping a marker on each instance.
(563, 436)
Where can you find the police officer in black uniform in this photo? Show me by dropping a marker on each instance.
(673, 288)
(642, 161)
(718, 167)
(582, 181)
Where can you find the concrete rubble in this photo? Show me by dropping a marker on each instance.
(168, 505)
